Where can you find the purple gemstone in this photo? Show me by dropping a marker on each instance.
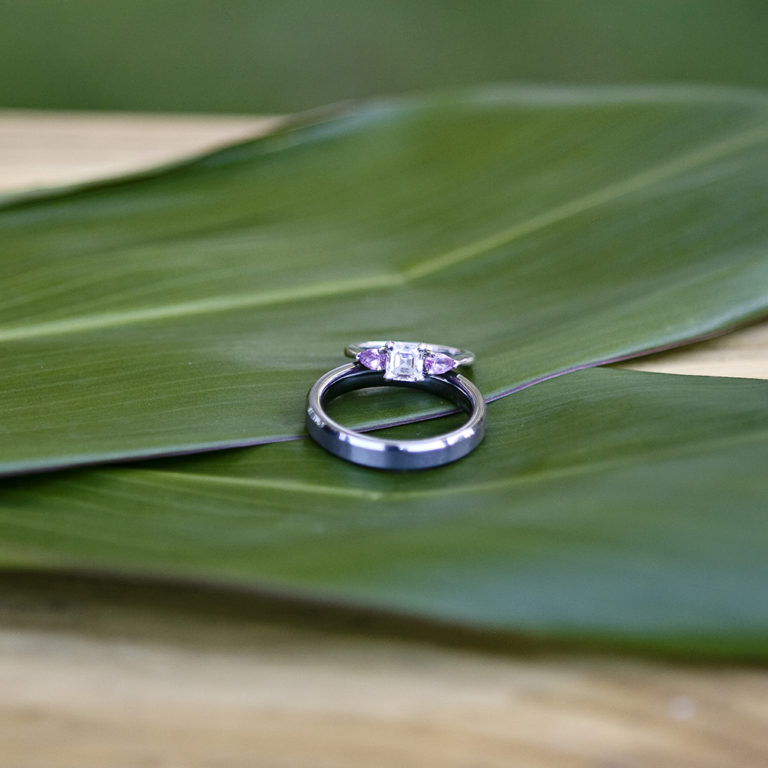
(374, 359)
(435, 363)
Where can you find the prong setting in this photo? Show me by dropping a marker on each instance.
(407, 361)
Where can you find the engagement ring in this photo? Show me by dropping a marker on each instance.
(400, 364)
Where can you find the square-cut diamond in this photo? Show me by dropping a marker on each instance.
(405, 362)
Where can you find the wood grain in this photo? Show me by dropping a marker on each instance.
(127, 675)
(115, 675)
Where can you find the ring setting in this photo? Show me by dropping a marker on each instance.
(418, 365)
(405, 360)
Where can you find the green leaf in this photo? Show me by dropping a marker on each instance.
(607, 506)
(545, 229)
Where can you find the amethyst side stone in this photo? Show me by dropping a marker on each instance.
(436, 363)
(375, 359)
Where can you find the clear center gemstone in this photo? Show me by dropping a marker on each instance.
(405, 362)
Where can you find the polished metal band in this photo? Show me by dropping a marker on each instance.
(386, 453)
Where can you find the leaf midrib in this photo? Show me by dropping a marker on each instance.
(685, 162)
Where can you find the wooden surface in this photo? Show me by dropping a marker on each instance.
(43, 149)
(94, 675)
(743, 353)
(118, 675)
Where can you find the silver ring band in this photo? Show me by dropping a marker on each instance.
(394, 454)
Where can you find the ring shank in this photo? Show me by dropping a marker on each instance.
(386, 453)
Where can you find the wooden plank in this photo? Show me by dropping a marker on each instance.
(743, 354)
(43, 149)
(132, 676)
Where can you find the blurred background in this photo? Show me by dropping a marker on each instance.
(276, 56)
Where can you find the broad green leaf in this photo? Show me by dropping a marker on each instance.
(545, 229)
(607, 506)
